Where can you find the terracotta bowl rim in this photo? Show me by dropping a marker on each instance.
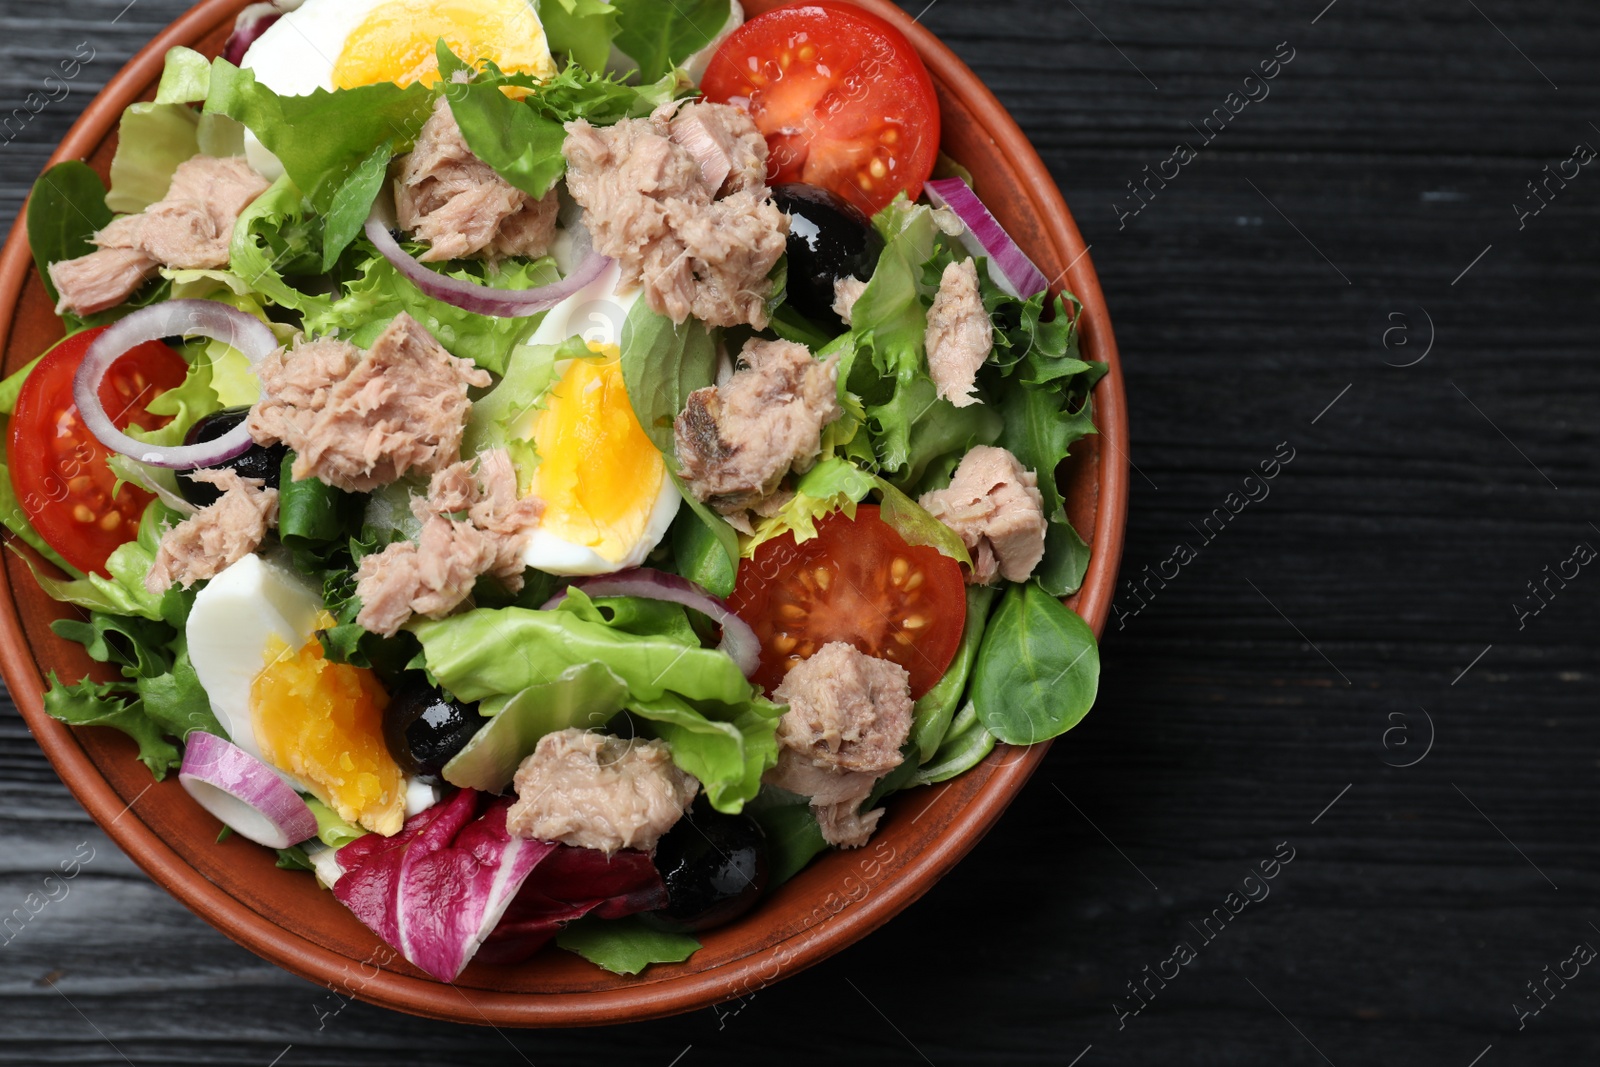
(640, 1000)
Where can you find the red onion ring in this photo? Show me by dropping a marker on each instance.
(172, 318)
(739, 641)
(1009, 265)
(245, 793)
(484, 299)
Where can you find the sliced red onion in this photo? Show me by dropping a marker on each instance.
(485, 299)
(245, 793)
(172, 318)
(252, 22)
(738, 640)
(1009, 265)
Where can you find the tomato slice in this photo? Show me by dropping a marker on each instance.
(856, 581)
(843, 98)
(58, 468)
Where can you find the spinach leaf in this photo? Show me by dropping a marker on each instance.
(793, 838)
(662, 363)
(963, 749)
(659, 36)
(582, 29)
(704, 547)
(67, 207)
(311, 513)
(352, 203)
(931, 720)
(1038, 669)
(521, 144)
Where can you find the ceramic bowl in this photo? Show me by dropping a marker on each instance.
(284, 916)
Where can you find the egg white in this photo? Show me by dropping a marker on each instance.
(235, 618)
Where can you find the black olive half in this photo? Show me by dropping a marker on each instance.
(715, 867)
(424, 727)
(259, 461)
(829, 238)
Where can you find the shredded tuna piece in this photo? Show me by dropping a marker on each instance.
(436, 574)
(649, 203)
(592, 790)
(360, 420)
(848, 715)
(220, 534)
(836, 797)
(450, 198)
(960, 335)
(736, 441)
(994, 505)
(846, 291)
(730, 150)
(189, 229)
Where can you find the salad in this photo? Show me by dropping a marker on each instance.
(552, 472)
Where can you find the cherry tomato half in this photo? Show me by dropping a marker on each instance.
(58, 468)
(843, 98)
(856, 581)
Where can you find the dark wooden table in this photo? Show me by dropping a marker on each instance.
(1349, 670)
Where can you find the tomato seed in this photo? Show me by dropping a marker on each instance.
(824, 577)
(82, 513)
(915, 622)
(784, 643)
(898, 570)
(914, 581)
(110, 521)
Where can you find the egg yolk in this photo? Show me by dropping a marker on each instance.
(397, 41)
(598, 474)
(323, 723)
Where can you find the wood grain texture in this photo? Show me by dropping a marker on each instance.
(1251, 292)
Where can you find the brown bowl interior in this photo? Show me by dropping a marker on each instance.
(285, 918)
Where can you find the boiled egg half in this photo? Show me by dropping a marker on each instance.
(607, 498)
(252, 640)
(341, 44)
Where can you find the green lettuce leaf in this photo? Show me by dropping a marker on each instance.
(585, 695)
(378, 293)
(352, 202)
(349, 124)
(793, 837)
(123, 593)
(278, 235)
(113, 704)
(916, 526)
(660, 36)
(834, 484)
(500, 416)
(719, 728)
(521, 136)
(151, 141)
(175, 701)
(624, 946)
